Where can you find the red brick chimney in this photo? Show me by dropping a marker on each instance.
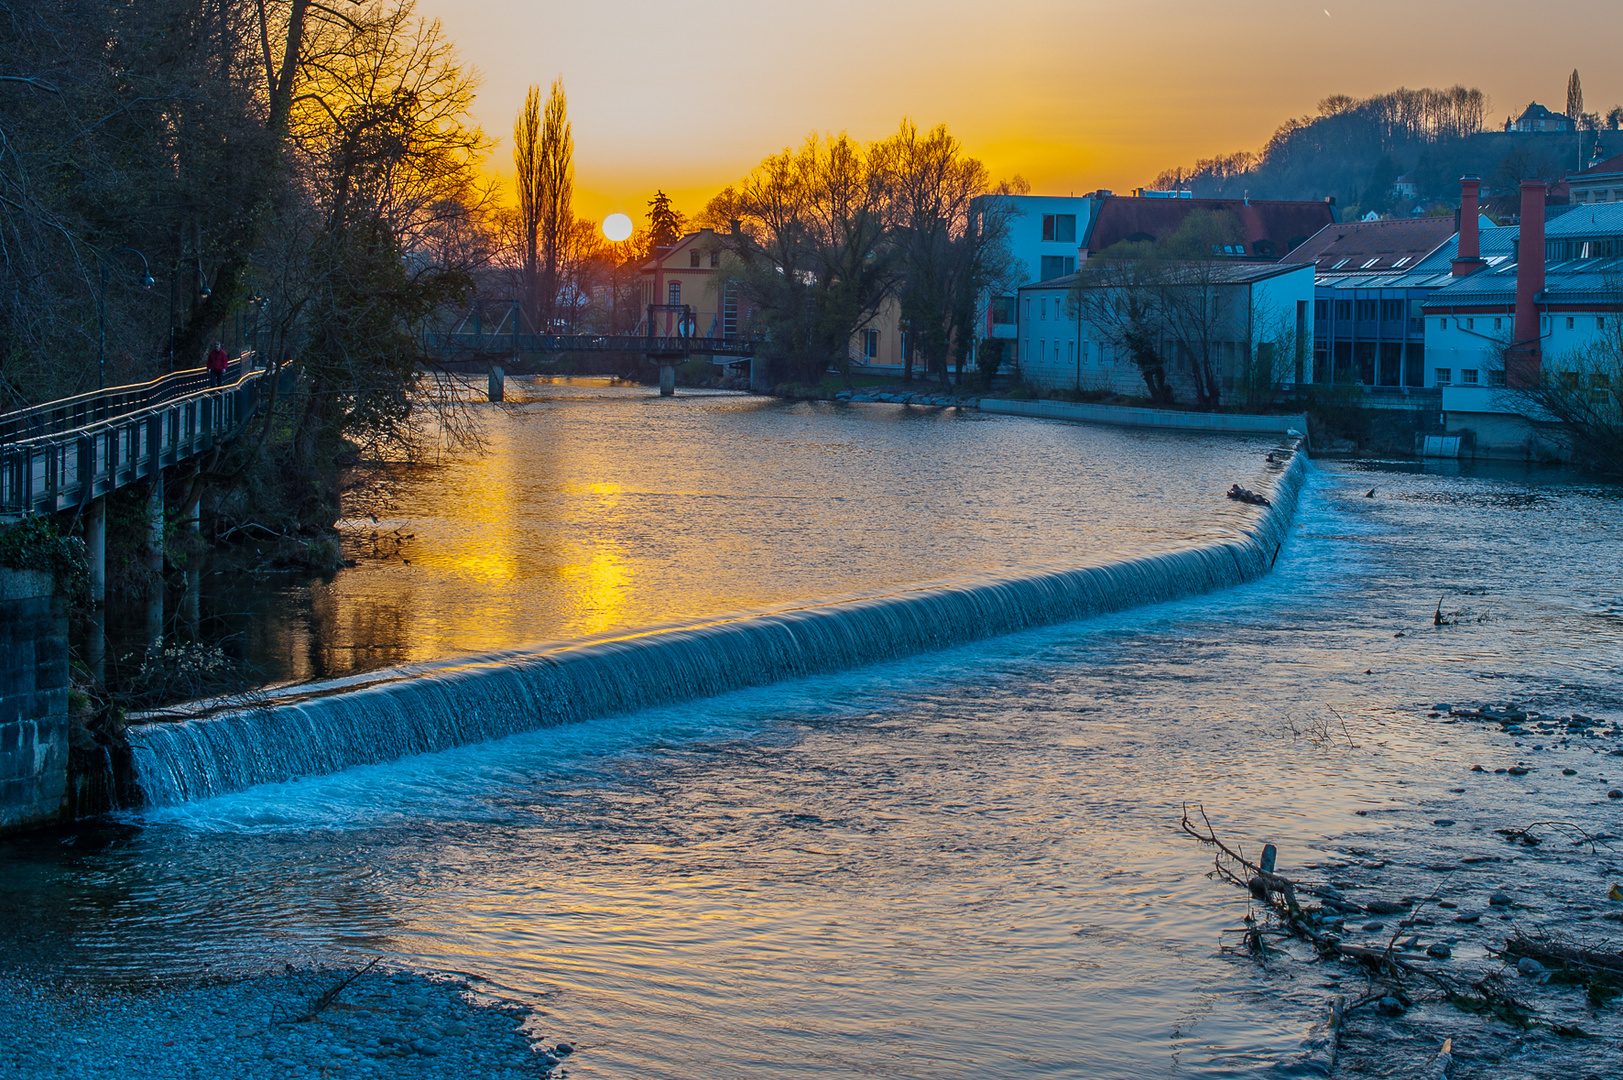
(1468, 260)
(1523, 359)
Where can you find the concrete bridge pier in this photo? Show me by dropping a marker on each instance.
(154, 559)
(497, 390)
(96, 549)
(667, 380)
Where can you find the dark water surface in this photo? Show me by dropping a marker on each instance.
(964, 864)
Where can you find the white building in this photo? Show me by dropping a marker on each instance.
(1059, 349)
(1045, 235)
(1538, 318)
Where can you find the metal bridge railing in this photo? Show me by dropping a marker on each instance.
(124, 435)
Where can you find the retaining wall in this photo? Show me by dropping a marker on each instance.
(33, 700)
(1128, 416)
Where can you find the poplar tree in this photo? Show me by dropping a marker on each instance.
(527, 171)
(1575, 99)
(557, 195)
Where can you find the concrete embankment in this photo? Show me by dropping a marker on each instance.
(1114, 415)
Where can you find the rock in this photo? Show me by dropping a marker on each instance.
(418, 1000)
(1447, 904)
(1614, 794)
(1390, 1006)
(1521, 770)
(1500, 899)
(1443, 822)
(564, 1048)
(1468, 916)
(1371, 927)
(1569, 772)
(1529, 967)
(1386, 907)
(1477, 768)
(1439, 951)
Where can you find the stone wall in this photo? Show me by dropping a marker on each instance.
(33, 700)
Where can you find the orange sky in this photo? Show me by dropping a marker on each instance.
(1071, 94)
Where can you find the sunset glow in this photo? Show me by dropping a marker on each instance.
(1072, 96)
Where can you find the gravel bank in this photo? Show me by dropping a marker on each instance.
(383, 1023)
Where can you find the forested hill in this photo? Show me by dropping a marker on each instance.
(1354, 150)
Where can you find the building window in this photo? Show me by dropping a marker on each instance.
(1445, 376)
(1344, 309)
(1569, 380)
(1442, 324)
(1042, 308)
(1025, 348)
(693, 257)
(870, 344)
(1600, 322)
(1059, 228)
(1496, 377)
(674, 293)
(1321, 310)
(1042, 349)
(1468, 376)
(1002, 310)
(1570, 322)
(1392, 310)
(1366, 310)
(1054, 266)
(1028, 309)
(715, 257)
(1470, 324)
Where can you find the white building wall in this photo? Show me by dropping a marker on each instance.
(1459, 345)
(1056, 350)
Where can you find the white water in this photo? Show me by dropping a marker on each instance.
(335, 726)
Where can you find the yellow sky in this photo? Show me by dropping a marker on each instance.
(1071, 94)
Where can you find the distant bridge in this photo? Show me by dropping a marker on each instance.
(667, 340)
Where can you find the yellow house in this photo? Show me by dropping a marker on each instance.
(689, 273)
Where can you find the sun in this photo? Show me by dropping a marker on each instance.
(617, 227)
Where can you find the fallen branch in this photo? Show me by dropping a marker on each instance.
(331, 994)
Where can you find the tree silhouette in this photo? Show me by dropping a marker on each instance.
(1575, 99)
(664, 223)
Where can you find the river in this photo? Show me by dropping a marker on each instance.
(961, 864)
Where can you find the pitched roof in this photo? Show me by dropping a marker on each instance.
(1535, 111)
(1272, 227)
(1221, 273)
(1373, 246)
(1609, 167)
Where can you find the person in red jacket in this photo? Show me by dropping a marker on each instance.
(217, 363)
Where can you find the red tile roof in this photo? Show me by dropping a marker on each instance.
(1271, 227)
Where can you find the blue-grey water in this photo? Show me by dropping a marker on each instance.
(961, 864)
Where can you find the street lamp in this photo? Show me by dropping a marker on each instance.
(101, 313)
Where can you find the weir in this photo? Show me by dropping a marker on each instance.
(324, 728)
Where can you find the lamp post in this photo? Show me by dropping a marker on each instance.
(174, 295)
(101, 314)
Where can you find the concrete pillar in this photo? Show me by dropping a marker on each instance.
(667, 380)
(96, 549)
(497, 390)
(154, 560)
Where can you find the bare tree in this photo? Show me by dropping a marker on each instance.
(1575, 98)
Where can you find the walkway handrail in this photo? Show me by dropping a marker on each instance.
(157, 426)
(82, 410)
(596, 343)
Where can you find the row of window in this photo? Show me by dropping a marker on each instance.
(1366, 310)
(693, 257)
(1468, 377)
(1503, 323)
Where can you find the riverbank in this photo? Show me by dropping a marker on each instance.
(293, 1022)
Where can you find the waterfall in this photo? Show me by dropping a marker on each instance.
(384, 716)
